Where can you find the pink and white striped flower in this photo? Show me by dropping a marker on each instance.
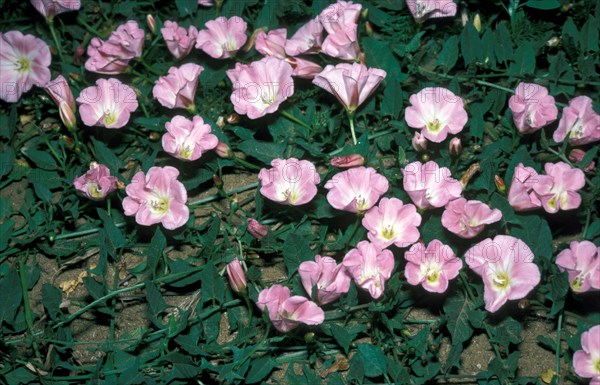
(222, 37)
(430, 9)
(579, 122)
(356, 190)
(582, 261)
(329, 279)
(179, 40)
(432, 266)
(468, 218)
(96, 183)
(290, 181)
(108, 104)
(286, 311)
(520, 194)
(272, 43)
(429, 185)
(586, 361)
(340, 20)
(392, 222)
(178, 88)
(188, 139)
(51, 8)
(557, 190)
(532, 107)
(307, 40)
(370, 266)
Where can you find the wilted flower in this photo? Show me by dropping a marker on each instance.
(256, 229)
(437, 112)
(157, 197)
(290, 181)
(432, 267)
(370, 267)
(288, 312)
(24, 60)
(271, 44)
(576, 155)
(582, 261)
(330, 279)
(113, 55)
(468, 218)
(222, 37)
(520, 195)
(579, 122)
(108, 104)
(532, 107)
(51, 8)
(96, 183)
(419, 142)
(392, 222)
(341, 22)
(356, 190)
(351, 84)
(429, 185)
(557, 190)
(261, 86)
(586, 361)
(506, 266)
(62, 95)
(237, 276)
(179, 40)
(306, 40)
(353, 160)
(426, 9)
(188, 139)
(304, 69)
(178, 88)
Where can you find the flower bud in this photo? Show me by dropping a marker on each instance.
(455, 146)
(154, 136)
(78, 55)
(553, 42)
(419, 142)
(120, 185)
(576, 155)
(252, 39)
(464, 16)
(151, 23)
(257, 230)
(500, 184)
(233, 118)
(67, 115)
(523, 304)
(221, 122)
(237, 276)
(353, 160)
(369, 28)
(477, 22)
(218, 181)
(365, 13)
(223, 151)
(309, 337)
(68, 142)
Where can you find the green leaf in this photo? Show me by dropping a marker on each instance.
(508, 332)
(559, 287)
(296, 249)
(7, 160)
(449, 54)
(263, 151)
(10, 300)
(156, 304)
(106, 156)
(470, 45)
(115, 236)
(543, 4)
(213, 285)
(6, 230)
(379, 55)
(536, 233)
(8, 122)
(392, 98)
(51, 298)
(97, 291)
(503, 45)
(458, 309)
(589, 35)
(155, 251)
(342, 336)
(524, 60)
(41, 159)
(186, 7)
(375, 358)
(356, 373)
(259, 369)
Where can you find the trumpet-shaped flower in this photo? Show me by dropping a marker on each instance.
(351, 84)
(61, 93)
(256, 229)
(24, 62)
(429, 185)
(437, 112)
(272, 43)
(222, 37)
(306, 40)
(582, 261)
(430, 9)
(356, 189)
(236, 276)
(113, 55)
(557, 190)
(347, 161)
(290, 181)
(108, 104)
(468, 218)
(96, 183)
(157, 197)
(520, 194)
(532, 107)
(302, 68)
(586, 361)
(506, 266)
(579, 122)
(329, 279)
(178, 88)
(392, 222)
(340, 20)
(188, 139)
(179, 40)
(342, 44)
(432, 267)
(51, 8)
(370, 267)
(261, 86)
(288, 312)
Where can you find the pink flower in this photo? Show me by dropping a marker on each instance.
(179, 40)
(188, 139)
(302, 68)
(353, 160)
(579, 122)
(329, 278)
(157, 197)
(61, 93)
(342, 44)
(586, 361)
(287, 312)
(429, 185)
(290, 181)
(206, 3)
(431, 267)
(392, 222)
(582, 261)
(437, 112)
(307, 39)
(24, 60)
(237, 276)
(532, 108)
(112, 56)
(51, 8)
(576, 156)
(351, 84)
(108, 104)
(271, 44)
(256, 229)
(130, 36)
(468, 218)
(341, 22)
(506, 266)
(178, 88)
(97, 183)
(222, 37)
(419, 142)
(520, 195)
(455, 146)
(261, 86)
(558, 188)
(224, 151)
(425, 9)
(356, 189)
(370, 267)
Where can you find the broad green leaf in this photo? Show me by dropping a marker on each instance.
(51, 298)
(375, 359)
(342, 336)
(392, 98)
(503, 45)
(156, 304)
(259, 369)
(115, 235)
(589, 35)
(42, 159)
(7, 160)
(449, 54)
(106, 156)
(471, 47)
(155, 251)
(296, 249)
(6, 230)
(543, 4)
(263, 151)
(458, 309)
(186, 7)
(213, 285)
(10, 300)
(524, 60)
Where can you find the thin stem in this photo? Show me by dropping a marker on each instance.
(216, 197)
(26, 305)
(88, 27)
(294, 119)
(244, 162)
(55, 38)
(559, 328)
(351, 121)
(83, 232)
(587, 223)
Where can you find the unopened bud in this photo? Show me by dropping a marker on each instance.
(67, 115)
(500, 184)
(455, 146)
(224, 151)
(547, 376)
(151, 23)
(362, 58)
(233, 118)
(365, 13)
(218, 181)
(419, 142)
(353, 160)
(252, 39)
(21, 163)
(154, 136)
(477, 22)
(78, 55)
(309, 337)
(434, 348)
(68, 142)
(566, 7)
(523, 304)
(553, 42)
(221, 122)
(257, 230)
(576, 155)
(464, 16)
(425, 158)
(369, 28)
(120, 185)
(237, 276)
(235, 201)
